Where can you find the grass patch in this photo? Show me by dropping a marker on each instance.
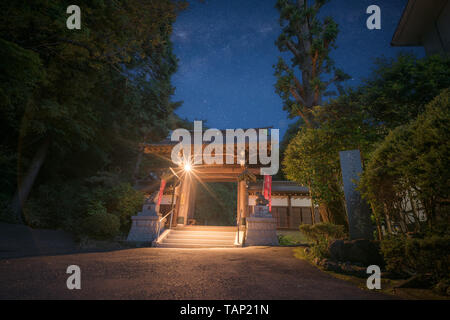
(291, 238)
(388, 286)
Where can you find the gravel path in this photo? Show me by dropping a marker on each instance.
(158, 273)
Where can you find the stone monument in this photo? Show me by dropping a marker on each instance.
(261, 226)
(144, 226)
(359, 223)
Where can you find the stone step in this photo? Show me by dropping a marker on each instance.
(190, 245)
(201, 236)
(207, 228)
(198, 241)
(202, 233)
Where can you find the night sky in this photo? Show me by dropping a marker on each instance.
(226, 54)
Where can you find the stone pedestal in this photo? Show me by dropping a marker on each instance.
(144, 227)
(261, 228)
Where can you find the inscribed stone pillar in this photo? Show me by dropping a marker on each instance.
(360, 225)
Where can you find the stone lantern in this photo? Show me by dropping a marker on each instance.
(144, 227)
(261, 225)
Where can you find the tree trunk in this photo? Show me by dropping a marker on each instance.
(323, 211)
(24, 185)
(313, 214)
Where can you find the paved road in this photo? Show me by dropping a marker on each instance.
(157, 273)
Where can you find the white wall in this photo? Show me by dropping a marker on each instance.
(282, 201)
(277, 201)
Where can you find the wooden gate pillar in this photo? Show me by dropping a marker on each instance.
(243, 197)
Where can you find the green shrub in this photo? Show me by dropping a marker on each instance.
(101, 226)
(430, 255)
(120, 200)
(320, 250)
(393, 251)
(124, 202)
(311, 158)
(323, 231)
(443, 287)
(96, 207)
(321, 234)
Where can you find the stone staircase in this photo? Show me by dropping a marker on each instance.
(199, 237)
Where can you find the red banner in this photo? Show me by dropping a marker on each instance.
(161, 191)
(268, 190)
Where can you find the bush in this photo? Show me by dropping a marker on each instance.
(443, 287)
(430, 255)
(412, 163)
(101, 226)
(124, 202)
(320, 250)
(321, 234)
(393, 251)
(323, 231)
(120, 200)
(312, 159)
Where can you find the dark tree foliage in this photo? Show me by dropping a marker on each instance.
(396, 93)
(407, 180)
(216, 204)
(77, 103)
(398, 90)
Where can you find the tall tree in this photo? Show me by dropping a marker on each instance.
(312, 155)
(301, 83)
(304, 81)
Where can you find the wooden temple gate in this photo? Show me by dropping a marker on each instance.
(291, 203)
